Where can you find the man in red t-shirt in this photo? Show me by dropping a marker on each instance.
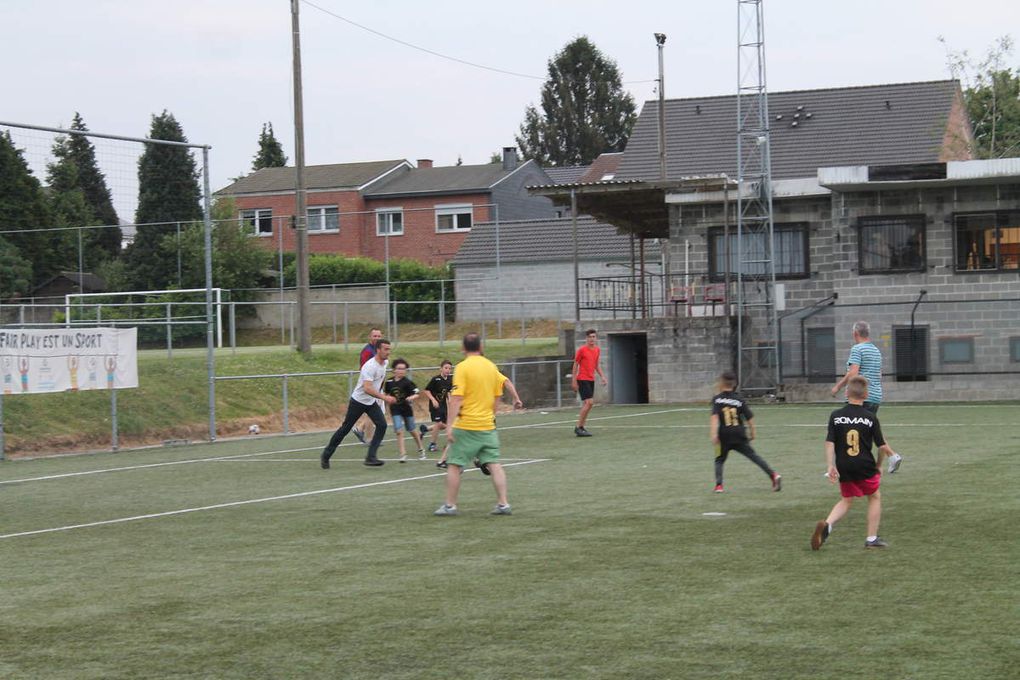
(582, 381)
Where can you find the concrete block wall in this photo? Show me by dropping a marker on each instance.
(685, 355)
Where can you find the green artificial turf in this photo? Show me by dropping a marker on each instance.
(608, 567)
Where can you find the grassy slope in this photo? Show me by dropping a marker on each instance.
(607, 569)
(172, 397)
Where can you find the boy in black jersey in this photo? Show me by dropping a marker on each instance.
(729, 412)
(405, 392)
(852, 430)
(437, 391)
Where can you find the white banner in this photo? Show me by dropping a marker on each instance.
(68, 359)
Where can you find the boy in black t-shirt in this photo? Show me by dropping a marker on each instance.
(726, 426)
(852, 430)
(405, 392)
(437, 391)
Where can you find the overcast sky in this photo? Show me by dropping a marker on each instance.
(223, 67)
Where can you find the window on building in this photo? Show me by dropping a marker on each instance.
(987, 241)
(910, 358)
(790, 258)
(323, 218)
(1014, 349)
(956, 350)
(389, 222)
(453, 218)
(891, 244)
(259, 220)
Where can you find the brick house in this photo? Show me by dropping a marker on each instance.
(390, 208)
(876, 198)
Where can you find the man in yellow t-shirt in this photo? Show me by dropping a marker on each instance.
(471, 422)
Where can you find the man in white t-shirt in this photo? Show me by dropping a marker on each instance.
(365, 399)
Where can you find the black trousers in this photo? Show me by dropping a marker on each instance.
(739, 447)
(354, 411)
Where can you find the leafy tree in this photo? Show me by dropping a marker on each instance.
(270, 153)
(23, 206)
(97, 195)
(237, 259)
(15, 271)
(991, 91)
(585, 111)
(168, 193)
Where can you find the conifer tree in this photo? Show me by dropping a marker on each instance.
(23, 206)
(270, 153)
(585, 111)
(97, 194)
(168, 193)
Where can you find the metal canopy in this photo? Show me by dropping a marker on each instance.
(634, 207)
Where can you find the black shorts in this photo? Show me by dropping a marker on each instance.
(586, 389)
(438, 415)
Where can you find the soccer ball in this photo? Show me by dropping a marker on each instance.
(253, 428)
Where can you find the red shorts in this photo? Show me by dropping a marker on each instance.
(860, 487)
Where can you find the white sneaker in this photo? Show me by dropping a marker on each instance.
(501, 510)
(894, 463)
(403, 458)
(421, 454)
(446, 510)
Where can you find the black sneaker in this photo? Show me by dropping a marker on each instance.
(424, 429)
(324, 461)
(359, 435)
(821, 533)
(433, 448)
(374, 462)
(442, 464)
(484, 467)
(877, 543)
(581, 432)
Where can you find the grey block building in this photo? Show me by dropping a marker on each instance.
(875, 197)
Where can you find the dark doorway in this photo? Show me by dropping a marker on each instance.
(821, 355)
(910, 347)
(629, 369)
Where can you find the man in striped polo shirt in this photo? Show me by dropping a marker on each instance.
(866, 360)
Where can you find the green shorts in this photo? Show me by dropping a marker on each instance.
(470, 444)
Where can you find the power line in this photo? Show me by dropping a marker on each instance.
(438, 54)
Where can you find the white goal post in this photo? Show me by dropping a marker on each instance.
(217, 302)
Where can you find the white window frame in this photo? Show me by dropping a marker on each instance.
(255, 215)
(317, 215)
(454, 209)
(388, 213)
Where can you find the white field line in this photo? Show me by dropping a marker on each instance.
(410, 461)
(698, 427)
(188, 461)
(233, 504)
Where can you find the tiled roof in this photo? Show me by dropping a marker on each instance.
(872, 125)
(448, 179)
(606, 164)
(568, 174)
(334, 176)
(544, 240)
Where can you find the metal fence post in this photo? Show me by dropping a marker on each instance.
(113, 419)
(290, 308)
(286, 408)
(2, 443)
(350, 386)
(559, 321)
(333, 307)
(482, 308)
(559, 385)
(346, 334)
(233, 328)
(169, 332)
(523, 332)
(442, 323)
(395, 321)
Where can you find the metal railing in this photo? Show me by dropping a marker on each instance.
(655, 295)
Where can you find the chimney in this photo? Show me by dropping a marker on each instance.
(424, 162)
(509, 157)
